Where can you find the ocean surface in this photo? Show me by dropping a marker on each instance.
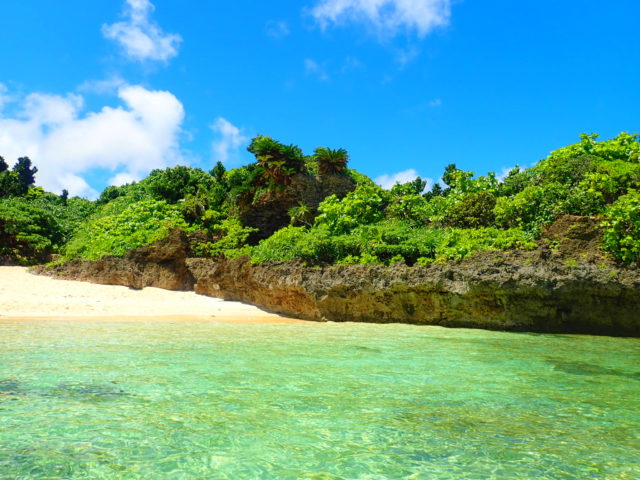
(159, 400)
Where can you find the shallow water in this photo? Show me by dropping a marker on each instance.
(206, 401)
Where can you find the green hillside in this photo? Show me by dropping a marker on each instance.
(275, 209)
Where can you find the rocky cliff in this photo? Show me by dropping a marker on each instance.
(542, 291)
(268, 211)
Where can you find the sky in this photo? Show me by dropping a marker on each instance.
(102, 92)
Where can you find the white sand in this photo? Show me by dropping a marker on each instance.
(27, 296)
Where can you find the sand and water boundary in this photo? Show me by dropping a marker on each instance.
(25, 296)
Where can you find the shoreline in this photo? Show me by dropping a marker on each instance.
(29, 297)
(222, 319)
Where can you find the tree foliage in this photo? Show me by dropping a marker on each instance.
(403, 224)
(331, 161)
(622, 228)
(115, 232)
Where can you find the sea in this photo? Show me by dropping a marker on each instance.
(205, 400)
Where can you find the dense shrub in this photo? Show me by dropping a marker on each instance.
(473, 211)
(231, 239)
(115, 231)
(363, 206)
(622, 228)
(28, 232)
(173, 184)
(515, 181)
(460, 243)
(33, 227)
(532, 208)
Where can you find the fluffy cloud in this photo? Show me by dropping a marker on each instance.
(139, 37)
(229, 141)
(129, 140)
(389, 180)
(386, 17)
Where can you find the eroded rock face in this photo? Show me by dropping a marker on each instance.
(547, 290)
(269, 212)
(492, 291)
(159, 265)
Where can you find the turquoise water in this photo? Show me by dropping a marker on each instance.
(151, 400)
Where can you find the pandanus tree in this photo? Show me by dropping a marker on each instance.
(279, 162)
(331, 161)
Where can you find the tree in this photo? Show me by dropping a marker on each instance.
(174, 184)
(449, 175)
(331, 161)
(9, 184)
(26, 173)
(16, 182)
(65, 196)
(279, 162)
(436, 191)
(218, 171)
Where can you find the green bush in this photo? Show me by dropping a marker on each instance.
(473, 211)
(460, 243)
(612, 179)
(411, 208)
(232, 236)
(363, 206)
(120, 227)
(174, 184)
(388, 242)
(33, 227)
(622, 228)
(28, 232)
(389, 239)
(532, 208)
(515, 181)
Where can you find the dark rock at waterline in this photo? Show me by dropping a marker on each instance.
(564, 286)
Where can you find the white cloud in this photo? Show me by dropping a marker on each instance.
(311, 67)
(139, 37)
(277, 29)
(386, 17)
(436, 102)
(229, 142)
(123, 178)
(387, 181)
(64, 143)
(76, 185)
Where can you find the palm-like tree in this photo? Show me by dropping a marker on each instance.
(279, 162)
(331, 161)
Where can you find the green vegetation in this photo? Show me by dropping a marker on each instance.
(406, 224)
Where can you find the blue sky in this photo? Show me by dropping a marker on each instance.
(102, 92)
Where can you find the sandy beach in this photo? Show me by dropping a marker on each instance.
(33, 297)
